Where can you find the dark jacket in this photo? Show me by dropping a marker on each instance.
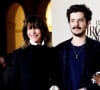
(92, 63)
(32, 68)
(2, 85)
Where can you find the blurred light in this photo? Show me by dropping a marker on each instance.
(48, 17)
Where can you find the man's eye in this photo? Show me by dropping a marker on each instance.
(72, 20)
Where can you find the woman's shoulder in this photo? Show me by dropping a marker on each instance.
(17, 51)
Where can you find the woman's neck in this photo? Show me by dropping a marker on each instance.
(34, 43)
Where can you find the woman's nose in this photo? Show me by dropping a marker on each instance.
(33, 30)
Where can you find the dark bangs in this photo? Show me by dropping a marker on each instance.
(35, 22)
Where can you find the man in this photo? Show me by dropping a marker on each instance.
(79, 56)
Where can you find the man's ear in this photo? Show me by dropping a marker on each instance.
(88, 23)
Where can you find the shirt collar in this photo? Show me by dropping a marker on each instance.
(33, 43)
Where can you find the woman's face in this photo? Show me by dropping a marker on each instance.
(34, 34)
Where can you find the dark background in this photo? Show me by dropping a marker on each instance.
(29, 6)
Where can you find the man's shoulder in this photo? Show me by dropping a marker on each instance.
(93, 44)
(93, 41)
(63, 44)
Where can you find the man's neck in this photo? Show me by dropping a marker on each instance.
(78, 41)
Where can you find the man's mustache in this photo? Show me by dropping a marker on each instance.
(76, 27)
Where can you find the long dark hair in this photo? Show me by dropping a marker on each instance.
(37, 22)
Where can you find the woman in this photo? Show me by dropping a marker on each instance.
(32, 65)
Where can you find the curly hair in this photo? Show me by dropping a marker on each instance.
(79, 8)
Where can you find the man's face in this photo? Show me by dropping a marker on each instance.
(78, 23)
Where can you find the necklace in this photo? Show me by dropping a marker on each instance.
(77, 54)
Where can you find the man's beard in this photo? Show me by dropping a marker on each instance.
(78, 34)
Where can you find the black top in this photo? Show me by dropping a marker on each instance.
(32, 69)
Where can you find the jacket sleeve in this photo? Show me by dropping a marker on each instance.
(10, 74)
